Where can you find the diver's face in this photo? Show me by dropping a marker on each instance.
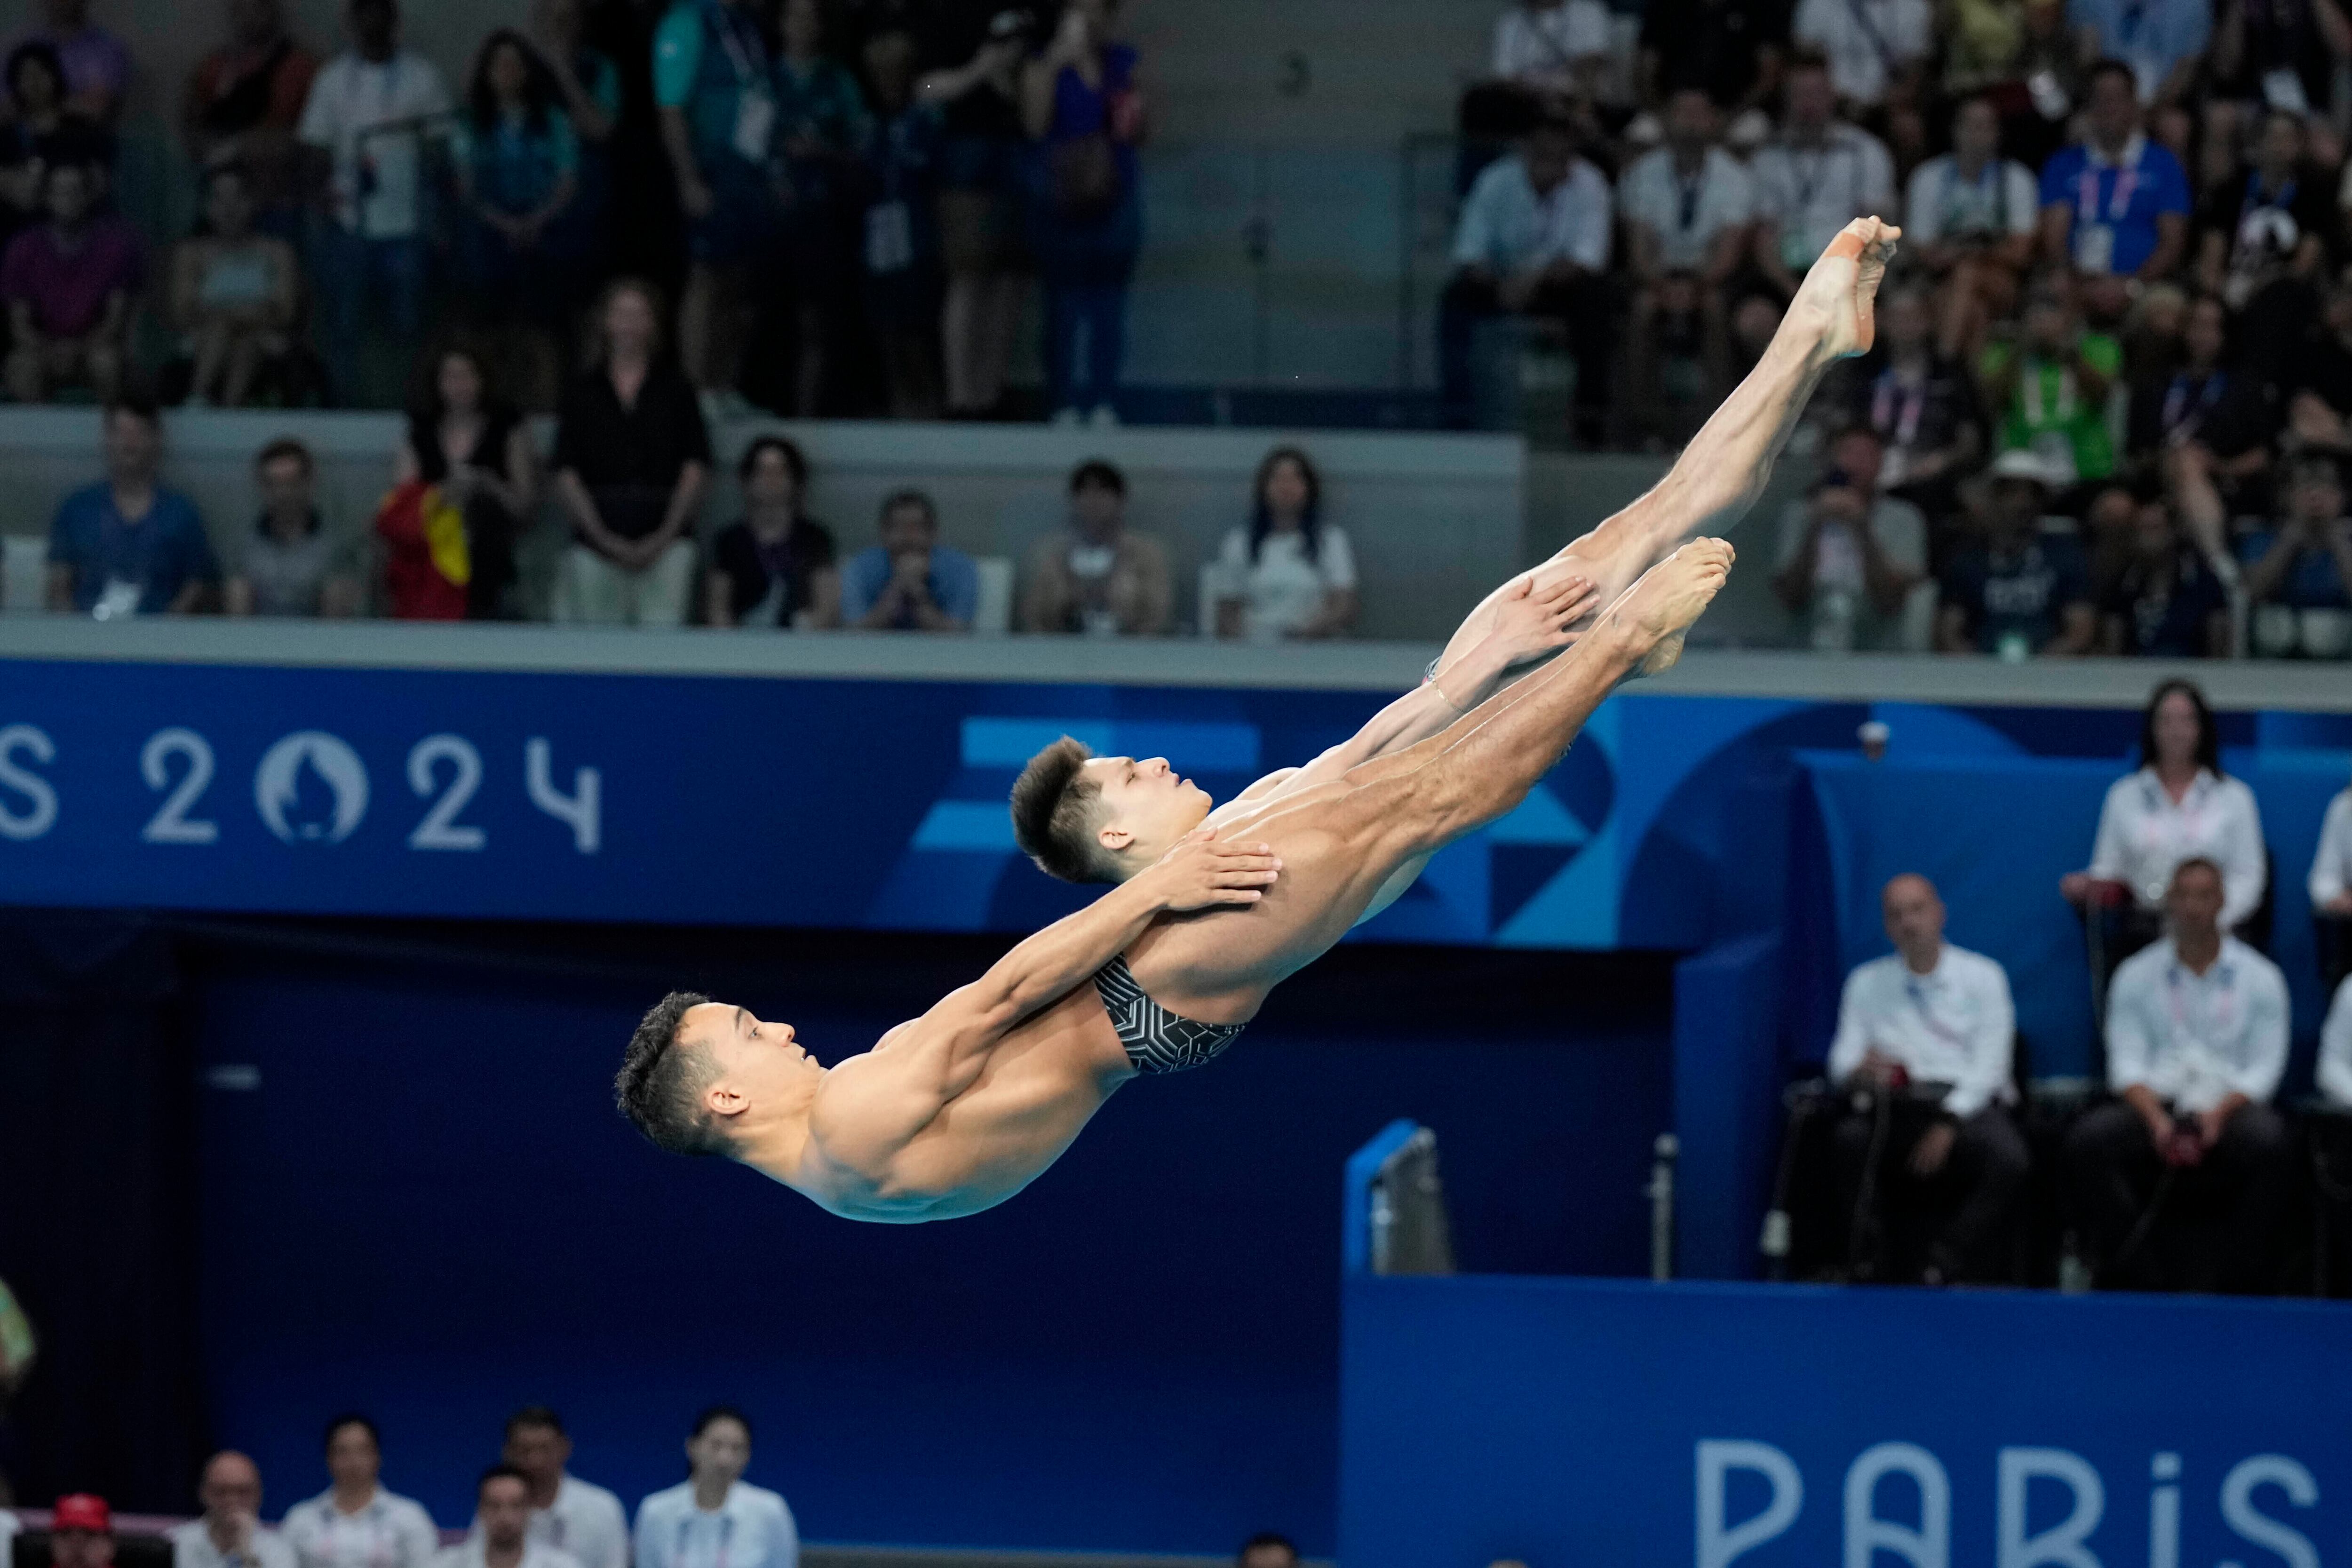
(756, 1060)
(1146, 804)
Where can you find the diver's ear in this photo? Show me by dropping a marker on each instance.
(1115, 840)
(723, 1099)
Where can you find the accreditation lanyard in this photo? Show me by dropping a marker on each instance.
(1917, 989)
(1989, 190)
(2041, 409)
(1896, 408)
(380, 1551)
(2209, 1024)
(2181, 403)
(2127, 185)
(686, 1530)
(2180, 828)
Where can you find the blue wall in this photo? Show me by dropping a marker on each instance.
(428, 1210)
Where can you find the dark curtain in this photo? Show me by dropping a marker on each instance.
(98, 1210)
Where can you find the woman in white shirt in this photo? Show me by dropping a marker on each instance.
(355, 1523)
(2331, 869)
(714, 1519)
(2177, 806)
(1288, 574)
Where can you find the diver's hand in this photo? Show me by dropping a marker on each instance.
(1531, 621)
(1201, 873)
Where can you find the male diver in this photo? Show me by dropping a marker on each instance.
(956, 1111)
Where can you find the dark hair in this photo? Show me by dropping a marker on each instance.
(535, 1416)
(281, 450)
(1310, 521)
(784, 448)
(38, 51)
(2209, 733)
(1053, 812)
(2206, 861)
(352, 1418)
(711, 1412)
(913, 498)
(501, 1472)
(2110, 66)
(1268, 1538)
(1805, 58)
(537, 85)
(659, 1082)
(425, 407)
(1097, 473)
(137, 405)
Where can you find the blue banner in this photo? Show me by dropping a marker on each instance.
(1661, 1426)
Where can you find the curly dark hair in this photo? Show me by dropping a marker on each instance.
(1053, 812)
(661, 1081)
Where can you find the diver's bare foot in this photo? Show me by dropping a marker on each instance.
(1839, 297)
(1657, 610)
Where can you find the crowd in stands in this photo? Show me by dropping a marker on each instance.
(2178, 911)
(530, 1511)
(2110, 391)
(850, 200)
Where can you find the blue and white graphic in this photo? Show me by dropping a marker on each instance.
(309, 786)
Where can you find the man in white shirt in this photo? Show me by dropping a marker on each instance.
(1533, 240)
(566, 1512)
(1874, 48)
(2196, 1040)
(1818, 176)
(2336, 1047)
(1686, 206)
(502, 1536)
(1929, 1013)
(370, 113)
(229, 1533)
(1849, 557)
(2331, 869)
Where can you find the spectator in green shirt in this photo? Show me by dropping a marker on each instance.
(2050, 388)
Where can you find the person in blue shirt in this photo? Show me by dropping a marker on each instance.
(2302, 563)
(2115, 203)
(2019, 592)
(126, 546)
(909, 582)
(518, 171)
(900, 233)
(2166, 601)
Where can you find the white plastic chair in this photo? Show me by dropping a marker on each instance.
(992, 616)
(23, 573)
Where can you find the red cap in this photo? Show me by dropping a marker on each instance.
(82, 1510)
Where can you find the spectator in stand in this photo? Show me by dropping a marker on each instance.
(2019, 592)
(2295, 572)
(1877, 52)
(1533, 240)
(371, 112)
(2115, 203)
(632, 461)
(1732, 51)
(1097, 577)
(2280, 53)
(2050, 387)
(244, 103)
(1289, 573)
(588, 89)
(1082, 105)
(2177, 806)
(126, 546)
(714, 81)
(1931, 1013)
(355, 1523)
(517, 166)
(822, 129)
(1818, 176)
(97, 65)
(2196, 1040)
(714, 1516)
(292, 566)
(1849, 556)
(1970, 214)
(1268, 1550)
(773, 567)
(2334, 1074)
(230, 1533)
(900, 231)
(2263, 243)
(2330, 883)
(2160, 43)
(2168, 602)
(471, 445)
(44, 134)
(974, 79)
(2319, 377)
(67, 284)
(566, 1512)
(1922, 404)
(81, 1531)
(2202, 400)
(502, 1536)
(1554, 46)
(1686, 207)
(909, 582)
(235, 293)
